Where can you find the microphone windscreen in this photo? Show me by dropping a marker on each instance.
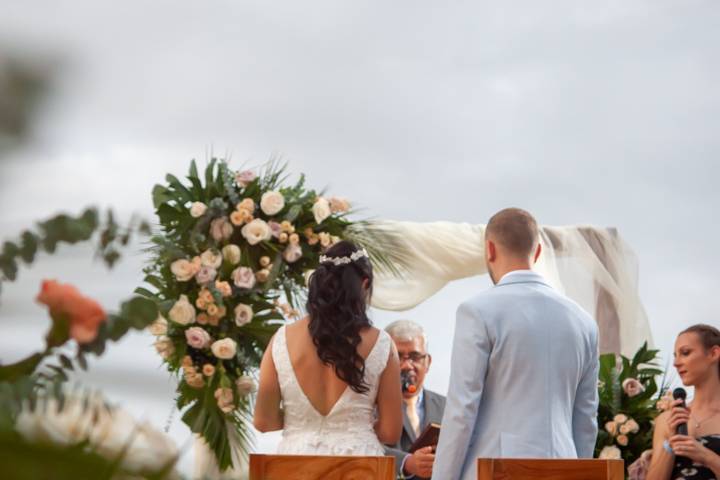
(679, 393)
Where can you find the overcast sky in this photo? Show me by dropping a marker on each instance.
(602, 113)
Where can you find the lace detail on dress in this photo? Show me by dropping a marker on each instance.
(348, 428)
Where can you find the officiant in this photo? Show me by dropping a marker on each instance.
(421, 407)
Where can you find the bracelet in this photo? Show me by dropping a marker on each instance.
(668, 448)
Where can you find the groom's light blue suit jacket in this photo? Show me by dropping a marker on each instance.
(523, 380)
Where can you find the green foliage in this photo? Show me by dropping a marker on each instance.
(187, 237)
(614, 401)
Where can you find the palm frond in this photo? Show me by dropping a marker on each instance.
(388, 250)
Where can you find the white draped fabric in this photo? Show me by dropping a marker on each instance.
(593, 266)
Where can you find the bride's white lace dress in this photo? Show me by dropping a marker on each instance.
(348, 428)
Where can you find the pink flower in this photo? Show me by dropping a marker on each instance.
(292, 253)
(275, 228)
(632, 387)
(205, 275)
(639, 468)
(243, 277)
(221, 229)
(197, 337)
(245, 177)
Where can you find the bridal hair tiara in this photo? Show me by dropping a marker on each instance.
(337, 261)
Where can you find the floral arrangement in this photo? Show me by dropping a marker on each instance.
(630, 399)
(229, 266)
(86, 422)
(46, 431)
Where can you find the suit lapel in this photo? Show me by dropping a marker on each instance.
(433, 409)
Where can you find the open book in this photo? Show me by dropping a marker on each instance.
(429, 436)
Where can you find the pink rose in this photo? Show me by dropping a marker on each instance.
(221, 229)
(205, 275)
(245, 177)
(197, 337)
(275, 229)
(639, 468)
(632, 387)
(243, 277)
(292, 253)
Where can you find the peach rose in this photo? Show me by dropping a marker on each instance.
(338, 205)
(247, 204)
(195, 380)
(610, 453)
(243, 314)
(182, 311)
(184, 270)
(198, 209)
(224, 397)
(164, 347)
(221, 229)
(245, 178)
(622, 440)
(159, 326)
(208, 370)
(211, 258)
(620, 418)
(245, 385)
(224, 288)
(325, 239)
(84, 314)
(256, 231)
(611, 428)
(262, 275)
(631, 426)
(321, 210)
(272, 203)
(224, 349)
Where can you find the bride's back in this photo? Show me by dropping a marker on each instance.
(319, 381)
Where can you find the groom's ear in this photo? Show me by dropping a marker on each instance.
(537, 253)
(491, 250)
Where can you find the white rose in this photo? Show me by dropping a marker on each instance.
(224, 349)
(272, 202)
(339, 205)
(321, 209)
(182, 312)
(231, 254)
(198, 209)
(243, 314)
(164, 347)
(211, 258)
(610, 453)
(245, 385)
(292, 253)
(183, 270)
(159, 326)
(256, 231)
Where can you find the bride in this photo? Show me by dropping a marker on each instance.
(331, 381)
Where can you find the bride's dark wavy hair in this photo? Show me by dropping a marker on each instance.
(337, 304)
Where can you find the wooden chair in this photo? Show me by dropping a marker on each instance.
(549, 469)
(309, 467)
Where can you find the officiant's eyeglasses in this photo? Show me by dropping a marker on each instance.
(415, 357)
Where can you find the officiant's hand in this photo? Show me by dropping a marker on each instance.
(420, 463)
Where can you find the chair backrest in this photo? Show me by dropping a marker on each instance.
(311, 467)
(549, 469)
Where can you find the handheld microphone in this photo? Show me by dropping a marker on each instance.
(407, 383)
(679, 393)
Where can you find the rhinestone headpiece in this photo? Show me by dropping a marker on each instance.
(337, 261)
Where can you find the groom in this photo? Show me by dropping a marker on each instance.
(523, 379)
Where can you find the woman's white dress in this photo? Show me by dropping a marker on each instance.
(348, 428)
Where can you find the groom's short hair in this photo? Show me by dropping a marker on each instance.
(515, 229)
